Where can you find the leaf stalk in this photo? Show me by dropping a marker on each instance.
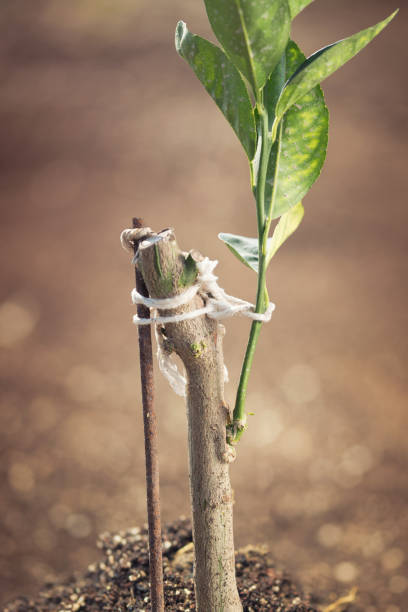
(238, 425)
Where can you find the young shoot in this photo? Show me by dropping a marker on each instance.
(270, 94)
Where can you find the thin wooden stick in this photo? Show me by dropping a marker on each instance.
(151, 449)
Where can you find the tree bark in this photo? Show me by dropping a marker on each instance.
(198, 342)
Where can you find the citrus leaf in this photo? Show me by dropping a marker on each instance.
(245, 249)
(299, 151)
(288, 223)
(222, 81)
(254, 34)
(323, 63)
(297, 5)
(275, 84)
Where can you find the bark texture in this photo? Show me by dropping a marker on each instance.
(167, 272)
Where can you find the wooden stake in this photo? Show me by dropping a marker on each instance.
(151, 448)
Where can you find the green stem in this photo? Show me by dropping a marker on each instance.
(239, 418)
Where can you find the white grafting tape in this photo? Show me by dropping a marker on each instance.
(218, 305)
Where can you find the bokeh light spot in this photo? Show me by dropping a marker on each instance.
(21, 477)
(268, 427)
(16, 323)
(329, 535)
(392, 559)
(296, 444)
(58, 514)
(398, 584)
(301, 384)
(78, 525)
(357, 460)
(345, 571)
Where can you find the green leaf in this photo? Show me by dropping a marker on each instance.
(323, 63)
(246, 249)
(254, 34)
(222, 81)
(297, 5)
(275, 84)
(288, 223)
(299, 152)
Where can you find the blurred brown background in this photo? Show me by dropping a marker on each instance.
(100, 121)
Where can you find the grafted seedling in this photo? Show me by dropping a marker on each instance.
(270, 94)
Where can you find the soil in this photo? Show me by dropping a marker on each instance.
(120, 581)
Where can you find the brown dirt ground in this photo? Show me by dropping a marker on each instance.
(100, 121)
